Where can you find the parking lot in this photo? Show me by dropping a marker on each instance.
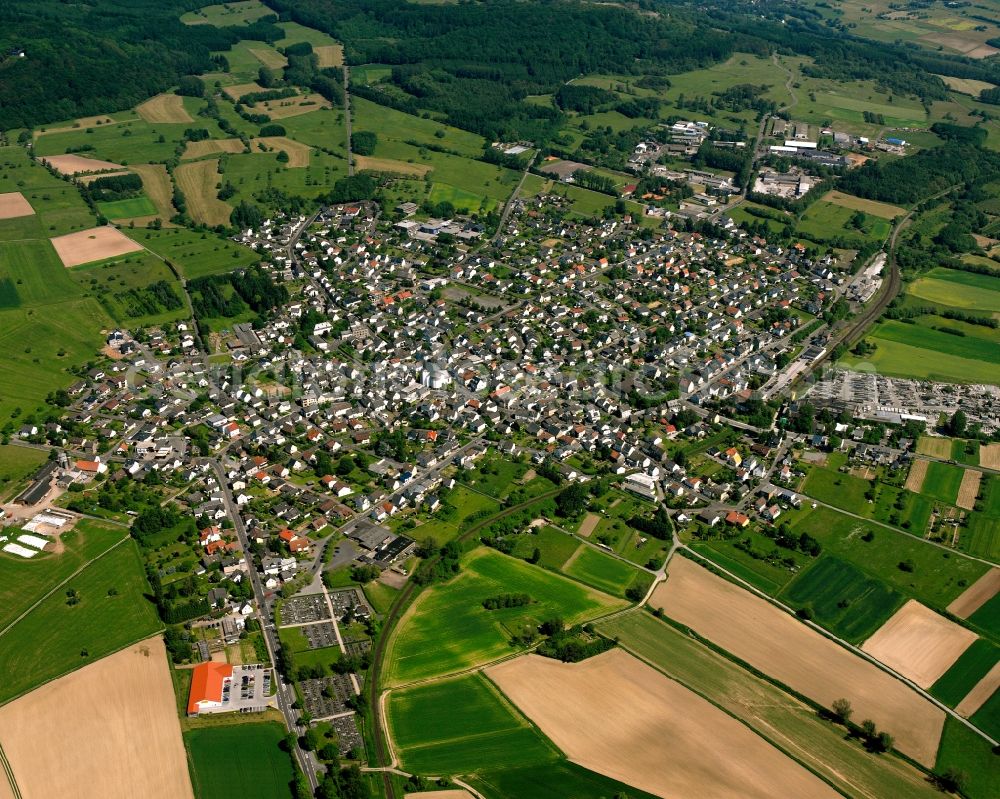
(304, 610)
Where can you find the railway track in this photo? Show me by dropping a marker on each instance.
(395, 612)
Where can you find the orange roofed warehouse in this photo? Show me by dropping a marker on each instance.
(208, 680)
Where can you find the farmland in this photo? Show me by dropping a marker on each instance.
(962, 749)
(942, 482)
(974, 663)
(16, 464)
(195, 254)
(239, 760)
(462, 725)
(447, 629)
(783, 648)
(614, 714)
(107, 610)
(593, 567)
(198, 181)
(114, 725)
(122, 287)
(780, 718)
(843, 598)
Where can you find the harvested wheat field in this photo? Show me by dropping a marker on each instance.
(198, 182)
(976, 595)
(298, 153)
(873, 207)
(617, 716)
(969, 489)
(915, 479)
(980, 692)
(919, 643)
(86, 179)
(196, 149)
(238, 90)
(158, 187)
(968, 86)
(989, 456)
(290, 106)
(75, 164)
(109, 729)
(165, 108)
(779, 645)
(330, 55)
(271, 59)
(935, 447)
(390, 165)
(95, 244)
(13, 205)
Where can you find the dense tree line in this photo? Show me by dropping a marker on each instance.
(102, 56)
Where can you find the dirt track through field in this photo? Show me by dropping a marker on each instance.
(96, 244)
(107, 730)
(976, 595)
(919, 643)
(980, 692)
(777, 644)
(166, 108)
(13, 205)
(989, 456)
(75, 164)
(969, 489)
(619, 717)
(915, 479)
(158, 187)
(198, 182)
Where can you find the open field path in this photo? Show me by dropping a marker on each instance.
(15, 791)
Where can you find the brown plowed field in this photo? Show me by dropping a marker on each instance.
(777, 644)
(107, 730)
(617, 716)
(976, 595)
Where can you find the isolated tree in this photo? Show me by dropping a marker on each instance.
(842, 710)
(956, 425)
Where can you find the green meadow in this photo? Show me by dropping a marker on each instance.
(447, 629)
(243, 760)
(194, 254)
(110, 611)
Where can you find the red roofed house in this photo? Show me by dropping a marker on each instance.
(208, 681)
(92, 467)
(737, 519)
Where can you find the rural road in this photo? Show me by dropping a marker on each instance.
(347, 118)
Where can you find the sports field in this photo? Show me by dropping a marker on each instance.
(110, 611)
(241, 760)
(843, 598)
(621, 718)
(113, 726)
(784, 648)
(447, 629)
(462, 725)
(774, 714)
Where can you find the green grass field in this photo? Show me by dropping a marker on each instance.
(775, 715)
(825, 220)
(944, 287)
(388, 123)
(241, 760)
(131, 142)
(112, 612)
(969, 669)
(942, 481)
(121, 286)
(937, 578)
(987, 718)
(447, 629)
(240, 12)
(982, 537)
(988, 617)
(844, 599)
(24, 582)
(902, 360)
(194, 254)
(555, 546)
(17, 464)
(462, 725)
(938, 342)
(546, 780)
(600, 570)
(962, 749)
(128, 209)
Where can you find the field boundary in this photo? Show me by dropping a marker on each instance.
(9, 773)
(733, 578)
